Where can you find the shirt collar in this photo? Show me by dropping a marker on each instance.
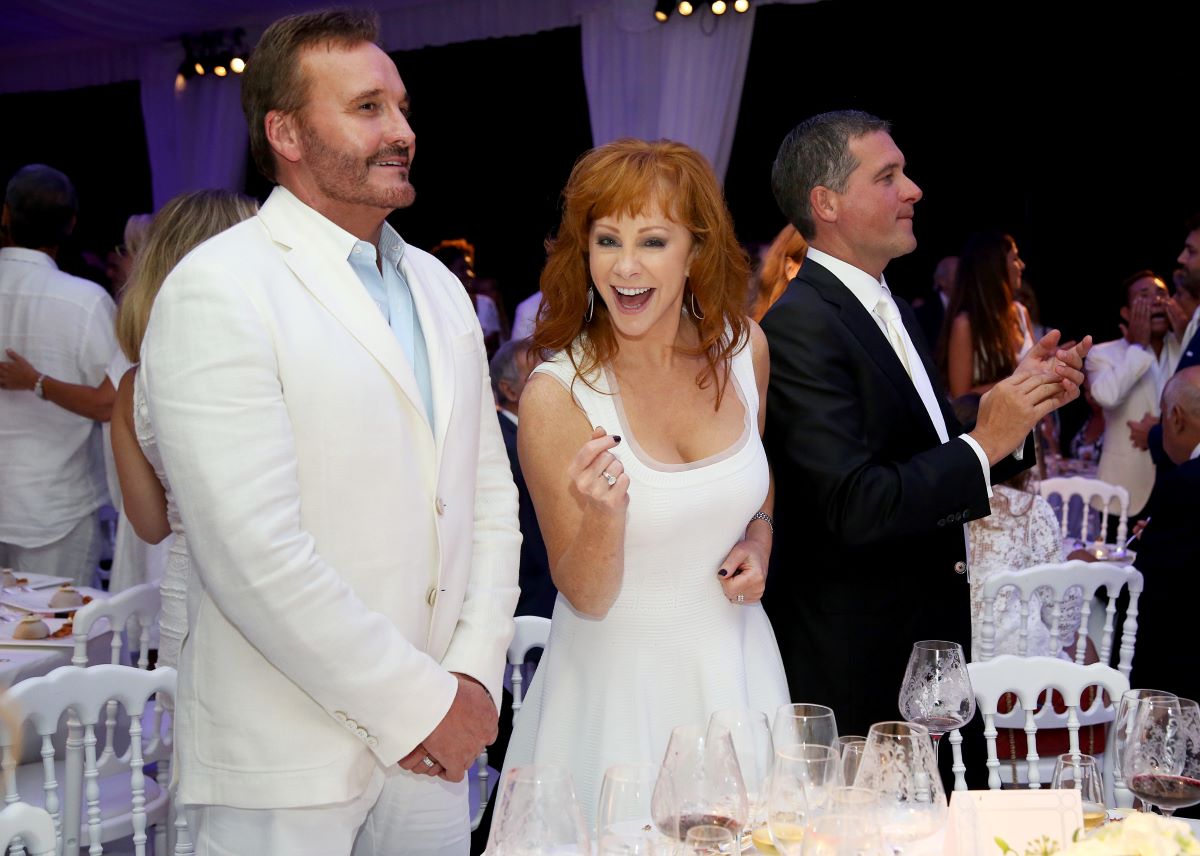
(512, 417)
(862, 285)
(1195, 452)
(390, 242)
(28, 256)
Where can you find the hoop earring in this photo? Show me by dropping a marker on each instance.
(696, 309)
(591, 309)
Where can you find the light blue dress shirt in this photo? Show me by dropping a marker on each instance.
(392, 295)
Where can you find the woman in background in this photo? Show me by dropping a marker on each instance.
(182, 224)
(780, 264)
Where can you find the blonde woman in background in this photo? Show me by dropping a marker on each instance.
(182, 224)
(780, 264)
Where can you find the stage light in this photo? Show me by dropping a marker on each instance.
(216, 51)
(685, 8)
(740, 6)
(220, 71)
(718, 7)
(198, 68)
(237, 65)
(662, 10)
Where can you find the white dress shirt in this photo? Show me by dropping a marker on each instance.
(50, 468)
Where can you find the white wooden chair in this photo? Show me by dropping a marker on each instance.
(1028, 678)
(532, 631)
(1059, 577)
(84, 803)
(1088, 489)
(130, 613)
(30, 826)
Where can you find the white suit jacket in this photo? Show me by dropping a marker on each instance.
(346, 557)
(1122, 380)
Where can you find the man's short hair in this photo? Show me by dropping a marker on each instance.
(274, 79)
(1127, 284)
(41, 206)
(817, 152)
(503, 365)
(1183, 392)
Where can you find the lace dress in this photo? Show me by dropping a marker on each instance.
(172, 621)
(1020, 532)
(672, 649)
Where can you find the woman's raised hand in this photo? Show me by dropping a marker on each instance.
(598, 479)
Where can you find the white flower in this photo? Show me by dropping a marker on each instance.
(1139, 835)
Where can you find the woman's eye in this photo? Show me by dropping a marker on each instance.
(655, 242)
(606, 241)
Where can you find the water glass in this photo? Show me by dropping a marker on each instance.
(537, 813)
(1083, 774)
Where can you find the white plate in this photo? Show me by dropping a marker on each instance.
(41, 581)
(39, 600)
(6, 635)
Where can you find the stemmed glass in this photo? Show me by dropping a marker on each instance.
(898, 763)
(624, 822)
(708, 840)
(700, 783)
(751, 734)
(1081, 773)
(1162, 753)
(536, 813)
(804, 723)
(851, 746)
(802, 780)
(842, 835)
(936, 692)
(1124, 721)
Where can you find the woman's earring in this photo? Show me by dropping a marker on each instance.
(696, 313)
(591, 310)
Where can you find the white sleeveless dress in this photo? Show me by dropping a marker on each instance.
(672, 649)
(172, 621)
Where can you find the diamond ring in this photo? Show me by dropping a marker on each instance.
(428, 762)
(608, 477)
(741, 598)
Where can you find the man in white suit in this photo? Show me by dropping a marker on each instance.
(1126, 377)
(320, 395)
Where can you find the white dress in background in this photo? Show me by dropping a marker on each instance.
(1021, 531)
(172, 620)
(672, 649)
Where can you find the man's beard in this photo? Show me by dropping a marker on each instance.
(346, 178)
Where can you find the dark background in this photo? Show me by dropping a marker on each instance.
(1066, 126)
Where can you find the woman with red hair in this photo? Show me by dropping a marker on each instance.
(640, 441)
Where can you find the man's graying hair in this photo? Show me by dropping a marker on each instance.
(1181, 391)
(817, 152)
(503, 366)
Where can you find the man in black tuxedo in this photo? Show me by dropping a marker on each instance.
(874, 478)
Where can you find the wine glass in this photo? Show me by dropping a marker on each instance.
(707, 839)
(536, 813)
(851, 746)
(898, 763)
(802, 779)
(623, 816)
(1081, 773)
(1124, 721)
(699, 783)
(842, 835)
(804, 723)
(1162, 753)
(936, 692)
(751, 735)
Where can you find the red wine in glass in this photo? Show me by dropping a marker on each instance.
(1164, 791)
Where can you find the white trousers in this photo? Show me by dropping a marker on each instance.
(399, 814)
(74, 555)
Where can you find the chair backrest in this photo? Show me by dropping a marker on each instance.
(1088, 489)
(1059, 577)
(532, 631)
(32, 825)
(1028, 678)
(136, 607)
(84, 693)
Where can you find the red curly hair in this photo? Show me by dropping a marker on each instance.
(624, 179)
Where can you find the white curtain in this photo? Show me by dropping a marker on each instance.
(681, 80)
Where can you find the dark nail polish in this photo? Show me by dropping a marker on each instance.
(722, 572)
(616, 438)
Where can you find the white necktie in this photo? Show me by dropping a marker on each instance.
(893, 326)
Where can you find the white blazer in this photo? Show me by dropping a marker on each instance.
(1122, 379)
(346, 557)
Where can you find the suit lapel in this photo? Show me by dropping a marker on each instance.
(429, 303)
(332, 282)
(864, 329)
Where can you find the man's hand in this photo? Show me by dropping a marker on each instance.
(1066, 362)
(1009, 410)
(464, 731)
(17, 372)
(1139, 431)
(1176, 316)
(1137, 331)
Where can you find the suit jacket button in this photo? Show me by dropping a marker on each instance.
(960, 567)
(440, 506)
(431, 598)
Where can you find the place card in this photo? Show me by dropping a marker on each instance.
(1013, 823)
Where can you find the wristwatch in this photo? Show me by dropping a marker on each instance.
(37, 387)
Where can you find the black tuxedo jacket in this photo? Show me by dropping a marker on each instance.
(537, 589)
(869, 553)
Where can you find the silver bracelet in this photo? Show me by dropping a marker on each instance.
(766, 518)
(37, 387)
